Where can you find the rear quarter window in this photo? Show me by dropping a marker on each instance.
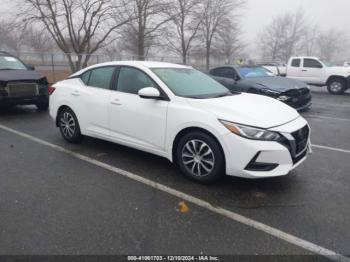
(99, 77)
(85, 77)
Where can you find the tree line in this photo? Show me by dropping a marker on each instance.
(81, 28)
(293, 34)
(183, 28)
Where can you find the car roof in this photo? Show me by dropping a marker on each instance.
(137, 64)
(236, 66)
(306, 57)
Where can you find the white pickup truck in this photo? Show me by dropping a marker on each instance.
(315, 72)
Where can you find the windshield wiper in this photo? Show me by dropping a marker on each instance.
(195, 97)
(211, 96)
(8, 69)
(223, 95)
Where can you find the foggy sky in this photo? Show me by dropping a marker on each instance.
(257, 13)
(326, 13)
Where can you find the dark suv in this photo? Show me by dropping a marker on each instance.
(258, 80)
(20, 84)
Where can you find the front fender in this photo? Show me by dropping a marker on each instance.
(217, 132)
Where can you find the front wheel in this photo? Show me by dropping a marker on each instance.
(336, 86)
(69, 126)
(200, 157)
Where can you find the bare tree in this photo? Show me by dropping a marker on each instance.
(215, 12)
(284, 36)
(10, 40)
(37, 40)
(78, 27)
(150, 17)
(296, 34)
(185, 23)
(330, 43)
(310, 40)
(229, 44)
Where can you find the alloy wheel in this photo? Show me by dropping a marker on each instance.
(67, 124)
(198, 157)
(336, 87)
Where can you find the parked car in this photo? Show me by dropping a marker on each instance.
(258, 80)
(20, 84)
(276, 68)
(314, 71)
(183, 115)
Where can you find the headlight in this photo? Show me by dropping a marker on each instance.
(269, 92)
(251, 132)
(283, 98)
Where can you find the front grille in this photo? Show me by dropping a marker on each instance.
(301, 139)
(21, 89)
(3, 92)
(298, 97)
(299, 158)
(297, 144)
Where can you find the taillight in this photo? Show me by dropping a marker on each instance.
(51, 90)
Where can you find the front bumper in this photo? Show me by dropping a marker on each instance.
(32, 100)
(277, 157)
(348, 82)
(300, 100)
(303, 107)
(40, 95)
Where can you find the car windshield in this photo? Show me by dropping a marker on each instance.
(188, 82)
(250, 72)
(11, 63)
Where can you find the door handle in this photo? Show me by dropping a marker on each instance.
(304, 70)
(116, 102)
(76, 93)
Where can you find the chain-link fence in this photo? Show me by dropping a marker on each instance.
(55, 66)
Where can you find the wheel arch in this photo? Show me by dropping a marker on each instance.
(330, 78)
(59, 110)
(188, 130)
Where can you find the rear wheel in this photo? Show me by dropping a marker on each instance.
(69, 126)
(200, 157)
(336, 86)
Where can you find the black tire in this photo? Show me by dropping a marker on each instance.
(69, 126)
(336, 86)
(204, 172)
(43, 105)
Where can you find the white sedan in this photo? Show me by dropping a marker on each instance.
(181, 114)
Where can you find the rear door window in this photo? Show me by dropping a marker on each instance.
(100, 77)
(312, 63)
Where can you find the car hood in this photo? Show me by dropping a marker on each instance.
(276, 83)
(248, 109)
(19, 75)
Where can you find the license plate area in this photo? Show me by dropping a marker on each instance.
(22, 89)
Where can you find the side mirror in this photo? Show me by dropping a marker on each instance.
(31, 67)
(149, 93)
